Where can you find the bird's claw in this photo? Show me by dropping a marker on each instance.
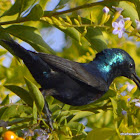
(47, 111)
(48, 114)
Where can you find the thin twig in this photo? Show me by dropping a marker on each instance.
(82, 7)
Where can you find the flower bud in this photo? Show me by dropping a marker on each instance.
(106, 10)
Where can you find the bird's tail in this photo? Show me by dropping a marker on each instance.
(17, 49)
(38, 68)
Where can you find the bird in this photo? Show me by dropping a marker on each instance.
(76, 83)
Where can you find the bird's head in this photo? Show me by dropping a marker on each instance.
(128, 68)
(117, 62)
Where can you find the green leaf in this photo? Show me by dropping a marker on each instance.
(5, 36)
(2, 110)
(78, 127)
(123, 88)
(18, 7)
(13, 111)
(72, 32)
(137, 4)
(31, 36)
(19, 120)
(34, 113)
(94, 35)
(36, 95)
(81, 114)
(114, 104)
(5, 100)
(62, 2)
(43, 3)
(100, 134)
(2, 52)
(14, 9)
(36, 13)
(22, 93)
(3, 71)
(129, 11)
(9, 112)
(62, 119)
(137, 138)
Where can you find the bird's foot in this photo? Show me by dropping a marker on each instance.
(47, 111)
(48, 114)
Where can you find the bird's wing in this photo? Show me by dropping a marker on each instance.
(74, 70)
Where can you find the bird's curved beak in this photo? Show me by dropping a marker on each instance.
(136, 79)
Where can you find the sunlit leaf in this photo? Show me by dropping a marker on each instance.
(62, 2)
(94, 35)
(100, 134)
(129, 11)
(43, 3)
(72, 32)
(123, 88)
(22, 93)
(33, 15)
(3, 72)
(137, 4)
(114, 104)
(2, 52)
(76, 126)
(13, 111)
(36, 95)
(81, 114)
(34, 113)
(18, 7)
(5, 100)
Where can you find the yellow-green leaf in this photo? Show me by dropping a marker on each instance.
(81, 114)
(36, 13)
(22, 93)
(36, 95)
(100, 134)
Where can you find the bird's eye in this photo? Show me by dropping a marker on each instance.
(131, 65)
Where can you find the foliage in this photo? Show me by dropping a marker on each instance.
(88, 30)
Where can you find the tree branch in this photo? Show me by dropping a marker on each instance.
(82, 7)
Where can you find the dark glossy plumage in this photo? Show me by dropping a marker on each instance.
(77, 83)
